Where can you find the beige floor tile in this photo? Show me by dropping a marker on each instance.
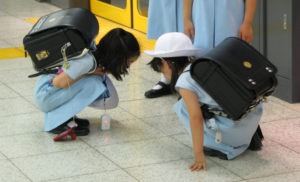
(28, 8)
(108, 176)
(31, 100)
(178, 171)
(148, 74)
(2, 13)
(168, 124)
(273, 111)
(141, 63)
(271, 160)
(34, 144)
(150, 107)
(128, 92)
(289, 177)
(4, 44)
(285, 132)
(137, 138)
(130, 78)
(122, 132)
(294, 106)
(21, 124)
(146, 152)
(10, 173)
(63, 164)
(24, 88)
(11, 22)
(17, 41)
(185, 139)
(16, 64)
(15, 106)
(17, 33)
(6, 92)
(16, 75)
(94, 115)
(2, 156)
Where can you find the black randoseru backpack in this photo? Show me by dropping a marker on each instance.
(236, 76)
(74, 28)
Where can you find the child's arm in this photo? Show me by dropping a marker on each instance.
(246, 31)
(196, 121)
(63, 80)
(187, 18)
(99, 72)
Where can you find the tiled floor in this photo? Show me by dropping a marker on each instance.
(146, 142)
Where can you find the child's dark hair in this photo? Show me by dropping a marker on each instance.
(114, 51)
(177, 65)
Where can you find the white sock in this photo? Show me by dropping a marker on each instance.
(162, 79)
(72, 124)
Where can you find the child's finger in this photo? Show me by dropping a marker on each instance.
(193, 33)
(240, 35)
(198, 168)
(204, 166)
(194, 167)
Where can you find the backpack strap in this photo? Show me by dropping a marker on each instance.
(52, 71)
(208, 112)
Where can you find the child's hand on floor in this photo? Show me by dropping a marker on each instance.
(200, 162)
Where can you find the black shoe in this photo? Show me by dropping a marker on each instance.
(256, 143)
(214, 153)
(165, 90)
(84, 123)
(79, 130)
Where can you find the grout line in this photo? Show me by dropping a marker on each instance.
(106, 157)
(12, 163)
(273, 175)
(83, 175)
(20, 170)
(49, 153)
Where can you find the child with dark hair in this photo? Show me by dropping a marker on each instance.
(207, 22)
(85, 82)
(220, 136)
(163, 16)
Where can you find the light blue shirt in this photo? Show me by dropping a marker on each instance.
(60, 104)
(236, 136)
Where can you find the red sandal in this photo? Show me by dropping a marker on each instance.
(64, 135)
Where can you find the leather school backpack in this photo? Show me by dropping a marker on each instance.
(236, 76)
(68, 32)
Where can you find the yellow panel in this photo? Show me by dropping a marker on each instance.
(105, 25)
(119, 15)
(139, 21)
(12, 53)
(32, 20)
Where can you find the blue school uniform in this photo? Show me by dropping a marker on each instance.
(164, 16)
(236, 136)
(214, 20)
(60, 104)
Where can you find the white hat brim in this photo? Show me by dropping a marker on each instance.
(180, 53)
